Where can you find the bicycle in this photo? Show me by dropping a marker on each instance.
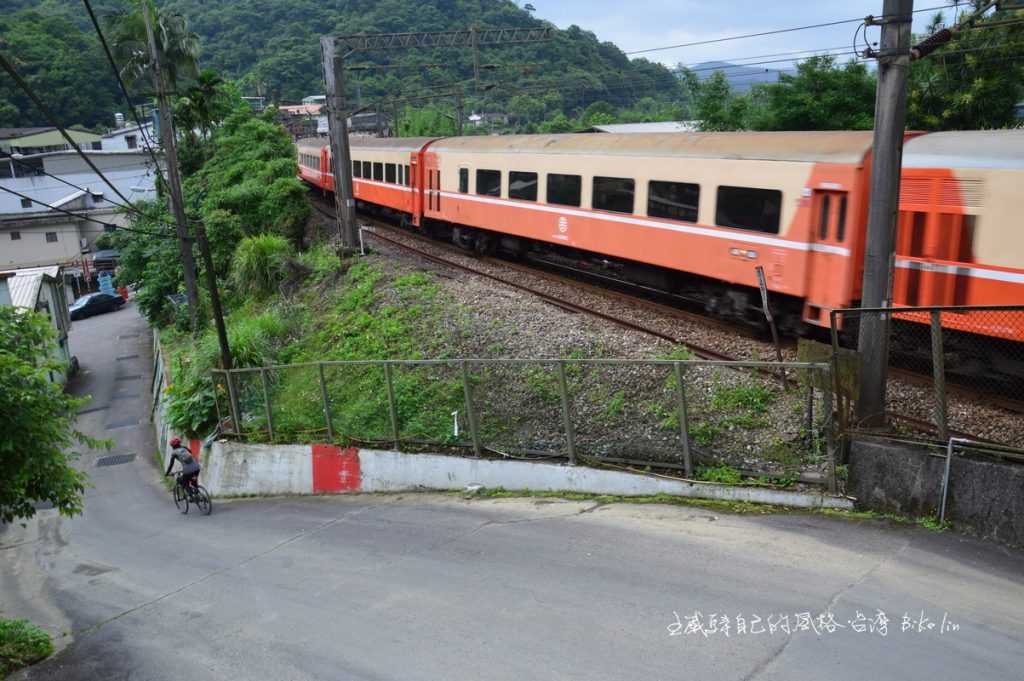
(195, 494)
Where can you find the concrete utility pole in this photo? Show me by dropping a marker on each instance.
(337, 120)
(879, 252)
(331, 48)
(460, 111)
(173, 175)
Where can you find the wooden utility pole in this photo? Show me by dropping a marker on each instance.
(879, 252)
(337, 120)
(459, 114)
(173, 176)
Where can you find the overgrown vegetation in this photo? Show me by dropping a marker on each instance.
(21, 644)
(37, 431)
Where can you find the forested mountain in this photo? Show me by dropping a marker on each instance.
(272, 47)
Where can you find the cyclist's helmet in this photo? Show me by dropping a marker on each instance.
(175, 442)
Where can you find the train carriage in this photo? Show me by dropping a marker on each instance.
(695, 213)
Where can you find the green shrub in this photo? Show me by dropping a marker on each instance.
(259, 264)
(21, 644)
(321, 259)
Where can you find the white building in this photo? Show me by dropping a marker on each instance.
(31, 234)
(42, 289)
(130, 137)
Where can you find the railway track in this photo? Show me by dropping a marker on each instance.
(380, 230)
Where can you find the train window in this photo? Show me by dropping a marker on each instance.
(464, 180)
(407, 182)
(841, 227)
(522, 186)
(614, 194)
(488, 182)
(673, 200)
(437, 201)
(357, 169)
(389, 173)
(823, 220)
(367, 172)
(378, 171)
(564, 190)
(748, 208)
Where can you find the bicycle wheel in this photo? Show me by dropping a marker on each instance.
(202, 500)
(180, 498)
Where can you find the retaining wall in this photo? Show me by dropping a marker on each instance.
(985, 497)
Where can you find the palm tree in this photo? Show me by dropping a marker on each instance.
(204, 104)
(130, 45)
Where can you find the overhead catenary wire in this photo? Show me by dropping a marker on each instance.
(761, 34)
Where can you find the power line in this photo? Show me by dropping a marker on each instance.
(27, 89)
(124, 89)
(767, 33)
(81, 216)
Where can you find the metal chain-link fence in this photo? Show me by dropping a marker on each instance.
(954, 371)
(762, 419)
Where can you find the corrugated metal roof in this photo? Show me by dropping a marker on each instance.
(818, 146)
(966, 149)
(9, 133)
(24, 290)
(661, 126)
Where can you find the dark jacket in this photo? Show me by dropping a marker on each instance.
(184, 457)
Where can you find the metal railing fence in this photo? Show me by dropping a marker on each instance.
(954, 371)
(676, 414)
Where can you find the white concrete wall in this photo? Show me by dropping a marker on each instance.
(232, 469)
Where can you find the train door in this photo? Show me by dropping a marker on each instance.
(828, 257)
(413, 180)
(431, 185)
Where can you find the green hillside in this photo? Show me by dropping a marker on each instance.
(272, 47)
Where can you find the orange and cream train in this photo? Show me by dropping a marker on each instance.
(694, 214)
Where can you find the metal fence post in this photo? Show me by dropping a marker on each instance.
(939, 376)
(467, 389)
(236, 416)
(842, 408)
(216, 399)
(684, 421)
(570, 433)
(830, 440)
(266, 404)
(392, 407)
(326, 401)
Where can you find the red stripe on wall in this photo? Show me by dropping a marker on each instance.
(335, 469)
(195, 446)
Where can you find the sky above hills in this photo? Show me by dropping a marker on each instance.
(642, 24)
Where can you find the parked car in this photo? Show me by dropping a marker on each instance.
(94, 303)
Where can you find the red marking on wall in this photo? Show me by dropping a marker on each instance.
(195, 446)
(335, 469)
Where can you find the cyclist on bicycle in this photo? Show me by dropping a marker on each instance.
(189, 466)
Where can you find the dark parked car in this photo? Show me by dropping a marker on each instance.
(94, 303)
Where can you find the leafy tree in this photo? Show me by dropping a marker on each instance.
(426, 121)
(129, 42)
(820, 96)
(37, 428)
(972, 83)
(61, 63)
(714, 104)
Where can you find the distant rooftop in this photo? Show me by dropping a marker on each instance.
(9, 133)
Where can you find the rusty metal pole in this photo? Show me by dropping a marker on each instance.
(939, 376)
(684, 427)
(570, 431)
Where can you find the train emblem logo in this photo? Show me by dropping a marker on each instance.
(563, 224)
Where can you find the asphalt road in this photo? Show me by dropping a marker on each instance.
(440, 587)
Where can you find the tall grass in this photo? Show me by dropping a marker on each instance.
(259, 264)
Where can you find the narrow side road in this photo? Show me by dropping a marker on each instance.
(439, 587)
